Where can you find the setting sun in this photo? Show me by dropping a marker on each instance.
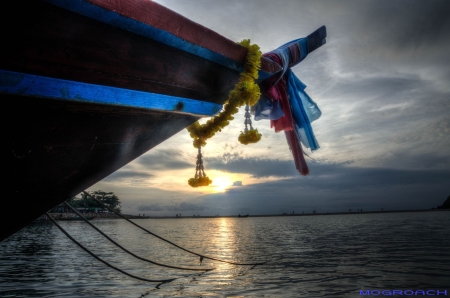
(221, 183)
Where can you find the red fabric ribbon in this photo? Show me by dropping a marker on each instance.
(297, 152)
(295, 52)
(278, 92)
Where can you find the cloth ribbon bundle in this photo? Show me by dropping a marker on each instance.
(285, 103)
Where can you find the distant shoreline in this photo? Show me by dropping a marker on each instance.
(104, 216)
(286, 215)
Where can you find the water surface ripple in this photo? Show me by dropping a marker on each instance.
(308, 256)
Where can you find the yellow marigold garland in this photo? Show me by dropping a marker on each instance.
(200, 181)
(249, 137)
(246, 91)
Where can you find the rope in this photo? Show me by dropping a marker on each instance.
(104, 262)
(124, 249)
(194, 253)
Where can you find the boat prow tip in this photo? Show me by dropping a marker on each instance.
(317, 39)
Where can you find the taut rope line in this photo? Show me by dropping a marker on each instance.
(153, 234)
(136, 256)
(104, 262)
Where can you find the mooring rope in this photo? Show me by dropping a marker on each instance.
(126, 250)
(104, 262)
(182, 248)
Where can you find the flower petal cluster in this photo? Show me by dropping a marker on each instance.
(200, 181)
(249, 137)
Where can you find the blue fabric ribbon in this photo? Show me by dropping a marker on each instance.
(267, 109)
(304, 109)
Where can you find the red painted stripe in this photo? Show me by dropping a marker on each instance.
(160, 17)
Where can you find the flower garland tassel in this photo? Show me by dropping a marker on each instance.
(245, 92)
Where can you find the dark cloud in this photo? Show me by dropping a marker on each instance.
(385, 88)
(336, 177)
(334, 187)
(120, 175)
(237, 183)
(186, 206)
(258, 167)
(183, 206)
(407, 24)
(170, 159)
(152, 207)
(416, 162)
(341, 176)
(377, 29)
(334, 192)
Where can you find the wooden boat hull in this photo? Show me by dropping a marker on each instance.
(58, 145)
(90, 86)
(58, 43)
(58, 150)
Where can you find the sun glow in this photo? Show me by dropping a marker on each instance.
(221, 183)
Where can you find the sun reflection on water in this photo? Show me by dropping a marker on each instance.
(225, 246)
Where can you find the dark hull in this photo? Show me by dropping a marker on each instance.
(58, 148)
(59, 145)
(58, 43)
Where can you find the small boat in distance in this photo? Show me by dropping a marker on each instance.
(242, 215)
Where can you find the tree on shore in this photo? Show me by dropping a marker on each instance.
(108, 198)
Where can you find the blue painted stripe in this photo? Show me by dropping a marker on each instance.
(32, 85)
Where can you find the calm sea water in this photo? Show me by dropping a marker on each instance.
(310, 256)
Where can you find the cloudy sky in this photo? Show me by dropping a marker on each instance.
(382, 83)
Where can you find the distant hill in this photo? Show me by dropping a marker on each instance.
(446, 204)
